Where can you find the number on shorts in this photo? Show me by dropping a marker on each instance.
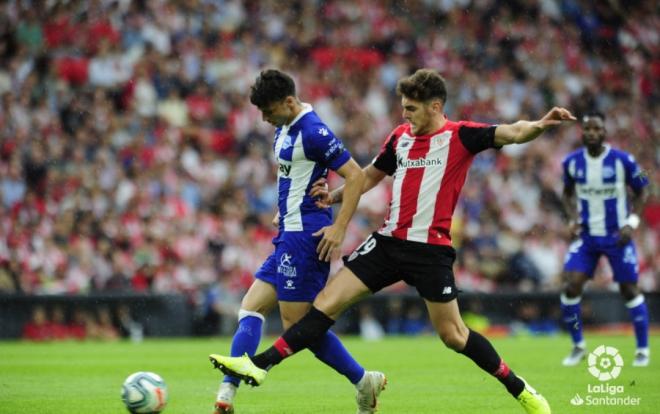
(367, 246)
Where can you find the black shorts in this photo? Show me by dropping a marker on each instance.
(381, 261)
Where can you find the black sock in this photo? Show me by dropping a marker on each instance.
(480, 350)
(304, 333)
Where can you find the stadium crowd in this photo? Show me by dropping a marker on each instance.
(132, 160)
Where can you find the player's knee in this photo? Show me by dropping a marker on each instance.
(572, 289)
(628, 291)
(251, 306)
(453, 337)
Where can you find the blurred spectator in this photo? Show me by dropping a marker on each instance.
(38, 328)
(370, 328)
(415, 321)
(129, 327)
(529, 318)
(394, 325)
(57, 325)
(107, 331)
(474, 317)
(219, 308)
(78, 324)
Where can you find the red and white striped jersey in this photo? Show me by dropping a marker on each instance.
(429, 172)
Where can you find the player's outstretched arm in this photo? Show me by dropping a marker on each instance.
(524, 131)
(326, 198)
(333, 235)
(568, 199)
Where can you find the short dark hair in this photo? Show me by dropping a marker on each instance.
(593, 114)
(423, 85)
(271, 86)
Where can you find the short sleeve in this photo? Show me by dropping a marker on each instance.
(386, 158)
(324, 147)
(477, 137)
(635, 176)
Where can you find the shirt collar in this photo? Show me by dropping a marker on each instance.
(306, 108)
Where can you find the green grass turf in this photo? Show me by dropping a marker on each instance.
(424, 377)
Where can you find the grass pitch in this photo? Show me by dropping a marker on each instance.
(423, 377)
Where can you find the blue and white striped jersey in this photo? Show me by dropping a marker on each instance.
(600, 185)
(304, 150)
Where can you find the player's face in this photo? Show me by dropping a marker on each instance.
(417, 114)
(593, 131)
(277, 113)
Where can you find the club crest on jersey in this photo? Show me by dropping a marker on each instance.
(287, 142)
(608, 172)
(441, 139)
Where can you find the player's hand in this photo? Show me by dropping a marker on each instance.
(333, 236)
(321, 193)
(574, 229)
(625, 235)
(276, 220)
(556, 116)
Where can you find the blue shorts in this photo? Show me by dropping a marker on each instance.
(294, 267)
(583, 255)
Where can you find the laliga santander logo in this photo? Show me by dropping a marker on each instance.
(605, 363)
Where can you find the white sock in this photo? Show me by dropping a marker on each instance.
(362, 381)
(227, 391)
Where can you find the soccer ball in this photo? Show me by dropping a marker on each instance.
(144, 393)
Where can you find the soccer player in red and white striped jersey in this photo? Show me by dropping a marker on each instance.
(428, 157)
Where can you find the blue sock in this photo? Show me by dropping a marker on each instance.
(640, 319)
(246, 338)
(570, 313)
(331, 351)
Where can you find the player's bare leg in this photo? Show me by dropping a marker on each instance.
(453, 332)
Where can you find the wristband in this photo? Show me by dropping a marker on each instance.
(632, 221)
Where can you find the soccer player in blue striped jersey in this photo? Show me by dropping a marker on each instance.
(305, 149)
(602, 220)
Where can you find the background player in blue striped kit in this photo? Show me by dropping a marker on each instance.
(304, 148)
(602, 219)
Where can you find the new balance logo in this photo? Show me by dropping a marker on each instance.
(323, 131)
(446, 290)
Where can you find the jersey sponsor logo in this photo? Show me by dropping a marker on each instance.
(289, 285)
(285, 267)
(335, 146)
(418, 163)
(604, 191)
(285, 168)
